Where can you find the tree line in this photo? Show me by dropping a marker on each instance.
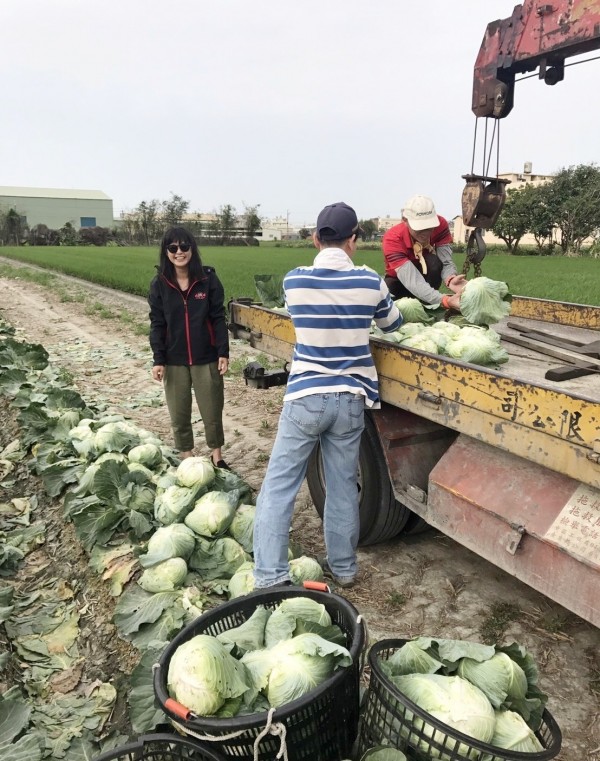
(562, 213)
(144, 225)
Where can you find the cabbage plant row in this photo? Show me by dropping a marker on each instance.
(166, 536)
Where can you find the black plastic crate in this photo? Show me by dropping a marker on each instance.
(390, 718)
(161, 747)
(320, 726)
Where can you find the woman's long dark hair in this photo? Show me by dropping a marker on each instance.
(179, 234)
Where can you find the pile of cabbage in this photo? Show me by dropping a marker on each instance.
(276, 656)
(199, 519)
(467, 336)
(488, 693)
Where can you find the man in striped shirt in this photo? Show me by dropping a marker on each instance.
(332, 379)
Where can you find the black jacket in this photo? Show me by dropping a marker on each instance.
(188, 327)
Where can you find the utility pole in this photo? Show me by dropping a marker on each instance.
(287, 224)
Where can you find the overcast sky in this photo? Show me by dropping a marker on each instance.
(290, 105)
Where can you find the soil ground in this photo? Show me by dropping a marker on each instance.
(423, 584)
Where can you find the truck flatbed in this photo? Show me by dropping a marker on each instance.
(554, 424)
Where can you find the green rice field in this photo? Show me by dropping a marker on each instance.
(130, 269)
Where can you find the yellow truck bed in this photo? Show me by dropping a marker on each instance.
(554, 424)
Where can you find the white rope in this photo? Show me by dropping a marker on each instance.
(278, 729)
(210, 738)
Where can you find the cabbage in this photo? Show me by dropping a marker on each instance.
(173, 504)
(410, 329)
(294, 666)
(484, 301)
(305, 569)
(166, 479)
(248, 636)
(512, 733)
(411, 659)
(478, 345)
(146, 454)
(192, 601)
(116, 437)
(412, 310)
(174, 541)
(213, 513)
(195, 471)
(202, 675)
(288, 613)
(242, 581)
(381, 753)
(165, 576)
(453, 701)
(242, 526)
(422, 342)
(142, 499)
(217, 559)
(137, 467)
(82, 437)
(498, 678)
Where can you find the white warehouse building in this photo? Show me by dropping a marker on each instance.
(54, 207)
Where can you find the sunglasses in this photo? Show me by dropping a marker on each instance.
(173, 248)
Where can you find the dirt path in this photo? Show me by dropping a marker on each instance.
(425, 584)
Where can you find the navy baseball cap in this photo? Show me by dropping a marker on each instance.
(338, 221)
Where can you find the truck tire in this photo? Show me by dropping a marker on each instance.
(381, 516)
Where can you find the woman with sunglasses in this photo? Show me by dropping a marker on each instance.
(189, 340)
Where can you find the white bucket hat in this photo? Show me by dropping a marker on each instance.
(419, 212)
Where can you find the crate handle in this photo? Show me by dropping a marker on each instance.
(180, 711)
(317, 586)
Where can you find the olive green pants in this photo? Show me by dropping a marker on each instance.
(207, 383)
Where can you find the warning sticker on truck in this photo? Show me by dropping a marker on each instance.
(577, 526)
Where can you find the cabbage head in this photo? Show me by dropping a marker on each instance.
(242, 526)
(165, 576)
(382, 753)
(294, 666)
(478, 345)
(137, 467)
(453, 701)
(82, 437)
(218, 558)
(202, 675)
(242, 581)
(174, 541)
(146, 454)
(116, 437)
(413, 311)
(195, 471)
(512, 733)
(173, 504)
(213, 513)
(284, 621)
(484, 301)
(498, 678)
(305, 569)
(421, 341)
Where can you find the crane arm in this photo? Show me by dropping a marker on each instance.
(536, 35)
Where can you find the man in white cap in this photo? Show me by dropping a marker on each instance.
(332, 381)
(418, 256)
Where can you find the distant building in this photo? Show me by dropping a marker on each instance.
(384, 223)
(55, 207)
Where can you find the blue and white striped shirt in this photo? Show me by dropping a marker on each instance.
(332, 305)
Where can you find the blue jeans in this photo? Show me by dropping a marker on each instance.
(337, 421)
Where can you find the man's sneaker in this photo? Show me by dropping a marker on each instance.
(342, 581)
